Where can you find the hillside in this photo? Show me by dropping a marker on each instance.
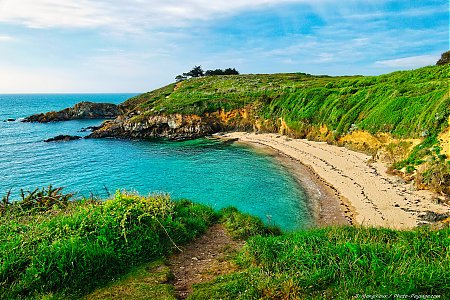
(406, 104)
(401, 118)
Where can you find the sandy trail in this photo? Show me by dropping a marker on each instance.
(374, 197)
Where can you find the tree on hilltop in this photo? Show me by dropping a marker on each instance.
(197, 71)
(445, 59)
(230, 71)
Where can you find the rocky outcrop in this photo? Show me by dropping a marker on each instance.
(63, 138)
(174, 126)
(82, 110)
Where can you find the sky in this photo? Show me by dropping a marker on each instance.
(110, 46)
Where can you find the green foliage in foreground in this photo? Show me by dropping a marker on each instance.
(243, 226)
(75, 249)
(407, 104)
(147, 281)
(69, 251)
(338, 263)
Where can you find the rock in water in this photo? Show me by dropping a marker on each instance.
(63, 138)
(89, 128)
(82, 110)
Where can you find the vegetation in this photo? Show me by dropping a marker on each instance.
(73, 249)
(117, 247)
(338, 263)
(197, 71)
(444, 60)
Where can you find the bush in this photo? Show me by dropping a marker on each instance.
(243, 226)
(61, 250)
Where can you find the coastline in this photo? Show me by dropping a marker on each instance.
(325, 203)
(345, 187)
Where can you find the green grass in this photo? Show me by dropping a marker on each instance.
(338, 263)
(147, 281)
(72, 250)
(406, 104)
(115, 250)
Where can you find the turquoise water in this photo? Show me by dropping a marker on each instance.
(207, 171)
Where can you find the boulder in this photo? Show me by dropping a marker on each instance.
(63, 138)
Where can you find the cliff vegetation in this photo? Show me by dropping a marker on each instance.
(401, 118)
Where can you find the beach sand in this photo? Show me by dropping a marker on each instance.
(345, 186)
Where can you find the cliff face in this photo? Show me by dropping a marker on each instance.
(175, 126)
(82, 110)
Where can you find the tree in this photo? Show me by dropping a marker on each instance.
(196, 71)
(230, 71)
(214, 72)
(445, 59)
(180, 78)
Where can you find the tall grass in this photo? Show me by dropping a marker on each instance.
(72, 250)
(338, 263)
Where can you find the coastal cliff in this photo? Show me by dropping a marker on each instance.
(399, 118)
(407, 104)
(176, 126)
(82, 110)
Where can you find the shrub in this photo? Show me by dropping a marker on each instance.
(61, 250)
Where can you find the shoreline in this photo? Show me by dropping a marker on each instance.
(344, 186)
(324, 202)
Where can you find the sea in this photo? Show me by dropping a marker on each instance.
(208, 171)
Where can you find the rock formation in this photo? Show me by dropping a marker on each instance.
(173, 126)
(82, 110)
(63, 138)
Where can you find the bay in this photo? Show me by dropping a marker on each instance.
(204, 170)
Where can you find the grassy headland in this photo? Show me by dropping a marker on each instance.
(406, 104)
(402, 117)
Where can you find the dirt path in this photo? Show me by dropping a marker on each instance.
(203, 259)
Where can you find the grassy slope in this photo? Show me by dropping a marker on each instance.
(338, 263)
(70, 250)
(406, 104)
(67, 252)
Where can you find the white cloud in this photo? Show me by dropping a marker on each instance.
(409, 62)
(6, 38)
(132, 15)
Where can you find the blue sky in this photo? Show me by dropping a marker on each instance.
(139, 45)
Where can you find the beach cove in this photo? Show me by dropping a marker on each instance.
(367, 195)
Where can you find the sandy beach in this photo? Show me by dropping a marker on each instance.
(367, 195)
